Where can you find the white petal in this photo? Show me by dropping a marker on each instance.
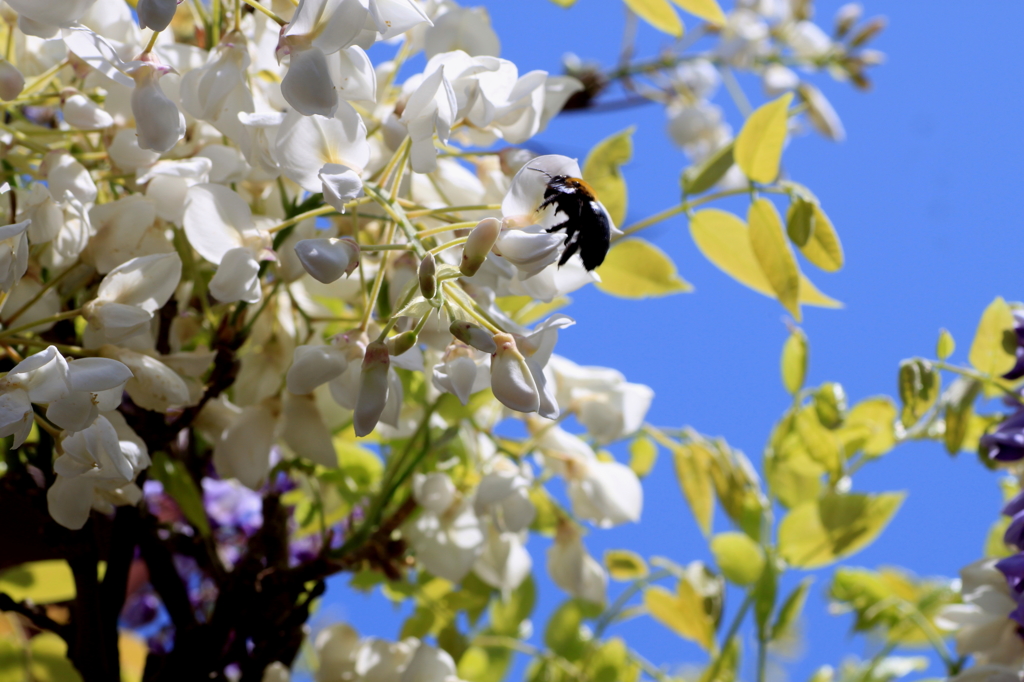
(74, 412)
(305, 144)
(340, 185)
(305, 433)
(158, 122)
(146, 282)
(97, 374)
(69, 501)
(313, 366)
(156, 14)
(429, 665)
(528, 186)
(307, 86)
(237, 277)
(243, 451)
(434, 492)
(215, 220)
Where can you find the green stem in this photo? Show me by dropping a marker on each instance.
(46, 287)
(46, 320)
(730, 634)
(613, 611)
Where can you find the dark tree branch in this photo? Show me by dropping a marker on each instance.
(35, 614)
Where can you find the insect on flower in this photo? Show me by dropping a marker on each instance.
(587, 225)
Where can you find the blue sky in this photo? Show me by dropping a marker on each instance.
(925, 196)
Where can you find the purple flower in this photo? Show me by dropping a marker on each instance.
(140, 609)
(1006, 443)
(229, 503)
(1018, 327)
(1013, 568)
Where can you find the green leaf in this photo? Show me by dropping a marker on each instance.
(602, 171)
(13, 659)
(830, 404)
(946, 345)
(764, 594)
(724, 240)
(995, 546)
(759, 144)
(820, 443)
(790, 610)
(643, 453)
(800, 221)
(708, 10)
(419, 624)
(564, 3)
(774, 255)
(823, 248)
(870, 427)
(44, 582)
(659, 14)
(692, 463)
(919, 389)
(959, 408)
(820, 532)
(993, 351)
(625, 565)
(699, 179)
(484, 664)
(507, 616)
(179, 485)
(740, 559)
(611, 662)
(635, 268)
(794, 361)
(792, 474)
(563, 634)
(48, 660)
(683, 613)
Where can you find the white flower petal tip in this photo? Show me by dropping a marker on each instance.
(328, 260)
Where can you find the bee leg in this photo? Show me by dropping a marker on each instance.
(567, 254)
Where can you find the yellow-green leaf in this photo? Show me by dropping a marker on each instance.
(48, 660)
(707, 10)
(794, 361)
(659, 14)
(992, 351)
(768, 242)
(564, 3)
(723, 239)
(693, 464)
(946, 345)
(643, 453)
(823, 247)
(800, 221)
(739, 558)
(635, 268)
(625, 565)
(44, 582)
(683, 613)
(699, 179)
(819, 442)
(870, 427)
(758, 149)
(178, 483)
(790, 610)
(819, 532)
(601, 170)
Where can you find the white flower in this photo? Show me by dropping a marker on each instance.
(156, 14)
(11, 81)
(989, 673)
(130, 294)
(504, 495)
(375, 385)
(313, 366)
(40, 378)
(808, 40)
(573, 569)
(429, 664)
(219, 225)
(243, 450)
(96, 386)
(307, 144)
(381, 661)
(304, 431)
(504, 563)
(462, 371)
(167, 184)
(336, 647)
(43, 18)
(13, 254)
(431, 109)
(124, 229)
(511, 379)
(45, 216)
(446, 536)
(778, 79)
(604, 402)
(126, 153)
(330, 259)
(821, 113)
(981, 624)
(463, 28)
(340, 185)
(153, 386)
(698, 76)
(698, 128)
(158, 122)
(66, 175)
(744, 37)
(479, 243)
(82, 113)
(276, 671)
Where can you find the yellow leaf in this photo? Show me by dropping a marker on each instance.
(992, 351)
(625, 565)
(601, 170)
(870, 427)
(708, 10)
(635, 268)
(818, 532)
(133, 651)
(770, 247)
(659, 14)
(794, 361)
(564, 3)
(823, 248)
(693, 470)
(48, 660)
(683, 612)
(44, 582)
(758, 149)
(643, 453)
(946, 345)
(740, 559)
(722, 238)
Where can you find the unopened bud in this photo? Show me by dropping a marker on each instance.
(82, 113)
(156, 14)
(428, 276)
(870, 30)
(313, 366)
(326, 260)
(400, 343)
(511, 379)
(481, 241)
(848, 15)
(11, 81)
(373, 389)
(474, 336)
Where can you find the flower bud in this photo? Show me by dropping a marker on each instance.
(341, 184)
(511, 379)
(870, 30)
(848, 15)
(474, 336)
(158, 123)
(481, 241)
(326, 260)
(573, 569)
(11, 81)
(373, 389)
(428, 276)
(82, 113)
(400, 343)
(156, 14)
(314, 365)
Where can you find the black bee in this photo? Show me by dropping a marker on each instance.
(588, 228)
